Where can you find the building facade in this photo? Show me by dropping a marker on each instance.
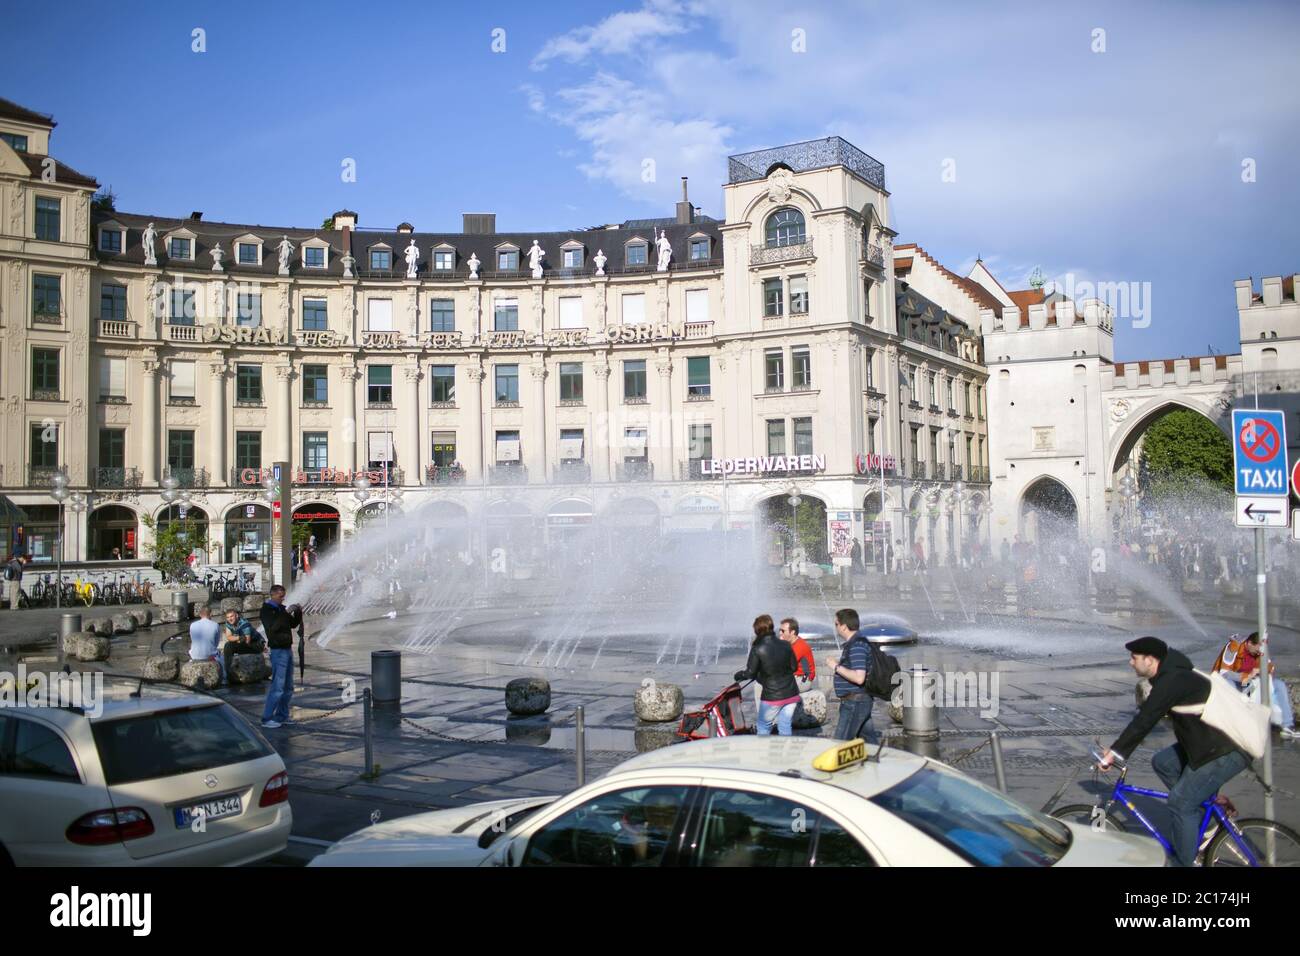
(784, 371)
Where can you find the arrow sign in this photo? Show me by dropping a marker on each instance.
(1258, 511)
(1259, 453)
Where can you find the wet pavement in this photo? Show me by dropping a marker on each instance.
(1060, 686)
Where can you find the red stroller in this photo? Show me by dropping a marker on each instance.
(723, 716)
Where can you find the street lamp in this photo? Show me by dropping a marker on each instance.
(794, 500)
(957, 496)
(1128, 491)
(78, 502)
(59, 492)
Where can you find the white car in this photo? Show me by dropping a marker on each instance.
(751, 801)
(162, 779)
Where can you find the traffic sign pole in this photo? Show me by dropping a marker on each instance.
(1266, 681)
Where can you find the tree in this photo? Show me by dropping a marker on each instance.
(104, 201)
(172, 545)
(1184, 447)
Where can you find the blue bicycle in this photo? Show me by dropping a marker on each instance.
(1223, 839)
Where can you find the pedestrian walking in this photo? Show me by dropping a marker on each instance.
(850, 670)
(13, 576)
(855, 556)
(771, 662)
(278, 622)
(1204, 758)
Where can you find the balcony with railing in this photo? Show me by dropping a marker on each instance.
(979, 475)
(939, 471)
(766, 255)
(444, 475)
(917, 469)
(117, 477)
(875, 255)
(116, 329)
(635, 470)
(572, 473)
(699, 330)
(39, 476)
(802, 157)
(956, 471)
(181, 333)
(47, 316)
(188, 477)
(692, 469)
(504, 474)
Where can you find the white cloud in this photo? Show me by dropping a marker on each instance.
(618, 34)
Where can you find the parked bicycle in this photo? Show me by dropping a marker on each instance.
(1224, 840)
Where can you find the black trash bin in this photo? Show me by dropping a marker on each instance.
(386, 676)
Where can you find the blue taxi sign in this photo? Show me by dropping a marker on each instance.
(1259, 452)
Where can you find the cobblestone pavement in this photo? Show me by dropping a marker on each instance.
(450, 741)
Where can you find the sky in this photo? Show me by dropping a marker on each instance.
(1153, 146)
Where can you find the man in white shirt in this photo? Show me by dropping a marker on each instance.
(205, 638)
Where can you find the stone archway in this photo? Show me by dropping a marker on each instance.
(110, 527)
(1048, 512)
(794, 530)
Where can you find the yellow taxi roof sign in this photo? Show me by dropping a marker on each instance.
(841, 756)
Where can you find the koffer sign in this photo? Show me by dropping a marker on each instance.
(1259, 451)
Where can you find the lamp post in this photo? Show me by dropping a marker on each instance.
(1128, 491)
(361, 491)
(794, 500)
(78, 502)
(59, 492)
(958, 495)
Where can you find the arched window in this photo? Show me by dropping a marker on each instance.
(785, 228)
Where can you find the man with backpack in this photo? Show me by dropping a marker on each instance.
(14, 579)
(851, 670)
(1203, 760)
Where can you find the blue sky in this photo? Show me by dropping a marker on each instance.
(1118, 165)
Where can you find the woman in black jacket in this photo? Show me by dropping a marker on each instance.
(772, 663)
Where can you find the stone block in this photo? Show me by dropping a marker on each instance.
(1193, 586)
(103, 626)
(254, 601)
(230, 604)
(123, 623)
(201, 675)
(249, 669)
(656, 703)
(86, 647)
(160, 667)
(168, 615)
(143, 616)
(528, 696)
(811, 711)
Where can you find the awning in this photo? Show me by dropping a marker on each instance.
(507, 449)
(10, 513)
(570, 449)
(381, 446)
(635, 442)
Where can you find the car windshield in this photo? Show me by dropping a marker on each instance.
(172, 742)
(980, 824)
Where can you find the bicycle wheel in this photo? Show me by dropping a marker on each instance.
(1224, 850)
(1082, 814)
(87, 595)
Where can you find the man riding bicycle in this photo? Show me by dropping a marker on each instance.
(1203, 759)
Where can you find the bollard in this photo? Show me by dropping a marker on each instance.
(69, 623)
(386, 676)
(920, 717)
(580, 742)
(181, 601)
(369, 732)
(999, 771)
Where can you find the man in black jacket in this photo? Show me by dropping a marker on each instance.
(772, 662)
(1203, 759)
(278, 622)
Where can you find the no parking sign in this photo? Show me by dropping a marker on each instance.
(1259, 452)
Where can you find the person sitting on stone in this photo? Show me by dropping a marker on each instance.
(204, 636)
(241, 638)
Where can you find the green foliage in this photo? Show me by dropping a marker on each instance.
(301, 533)
(1185, 448)
(328, 223)
(172, 544)
(104, 201)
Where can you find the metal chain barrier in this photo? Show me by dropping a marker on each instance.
(328, 713)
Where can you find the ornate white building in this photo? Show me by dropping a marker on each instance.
(665, 378)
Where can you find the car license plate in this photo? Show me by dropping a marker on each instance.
(209, 810)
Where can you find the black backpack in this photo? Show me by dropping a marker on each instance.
(880, 678)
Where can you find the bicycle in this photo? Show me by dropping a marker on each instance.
(79, 590)
(1249, 841)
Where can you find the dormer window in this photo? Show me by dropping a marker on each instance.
(637, 252)
(571, 255)
(699, 248)
(381, 259)
(180, 248)
(16, 141)
(315, 254)
(507, 258)
(112, 236)
(250, 254)
(444, 259)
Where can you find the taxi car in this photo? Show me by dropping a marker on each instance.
(751, 801)
(159, 779)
